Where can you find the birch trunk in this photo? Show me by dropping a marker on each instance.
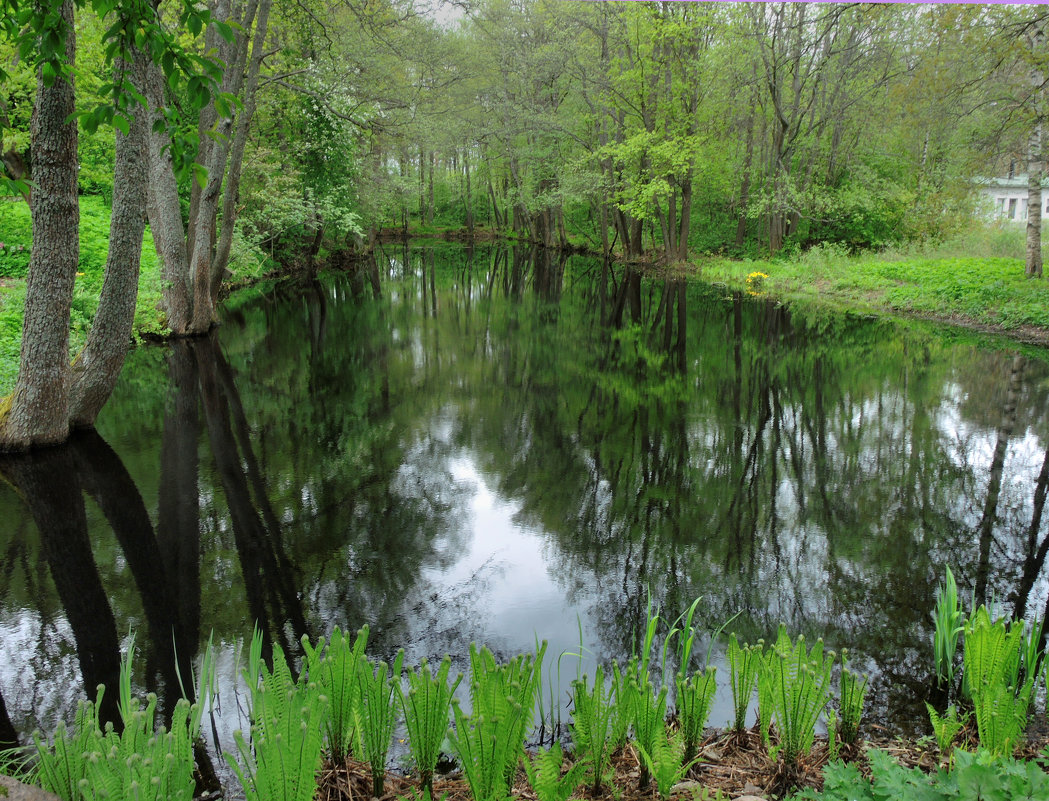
(1033, 266)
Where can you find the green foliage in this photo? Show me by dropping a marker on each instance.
(664, 761)
(852, 691)
(950, 620)
(426, 708)
(594, 717)
(649, 707)
(335, 672)
(375, 715)
(505, 696)
(287, 731)
(743, 671)
(800, 680)
(544, 774)
(694, 697)
(992, 658)
(140, 762)
(945, 728)
(975, 777)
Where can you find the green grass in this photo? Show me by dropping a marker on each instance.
(972, 280)
(16, 236)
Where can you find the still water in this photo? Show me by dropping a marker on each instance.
(492, 445)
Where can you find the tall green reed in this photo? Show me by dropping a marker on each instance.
(287, 731)
(949, 620)
(427, 705)
(334, 669)
(375, 715)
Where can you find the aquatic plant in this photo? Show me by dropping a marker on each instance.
(743, 669)
(950, 620)
(694, 697)
(544, 774)
(800, 678)
(426, 707)
(664, 761)
(375, 715)
(335, 672)
(287, 731)
(852, 690)
(592, 727)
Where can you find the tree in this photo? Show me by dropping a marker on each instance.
(51, 396)
(1035, 159)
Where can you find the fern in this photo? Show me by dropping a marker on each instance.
(664, 761)
(485, 748)
(335, 672)
(743, 670)
(852, 692)
(945, 728)
(375, 716)
(650, 708)
(287, 732)
(544, 774)
(426, 707)
(592, 727)
(800, 685)
(694, 696)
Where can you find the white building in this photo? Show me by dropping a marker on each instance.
(1006, 198)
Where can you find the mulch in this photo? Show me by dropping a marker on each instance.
(734, 763)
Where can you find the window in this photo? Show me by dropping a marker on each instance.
(1012, 208)
(1023, 208)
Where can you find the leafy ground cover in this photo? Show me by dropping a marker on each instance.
(987, 292)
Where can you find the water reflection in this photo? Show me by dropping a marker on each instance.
(484, 443)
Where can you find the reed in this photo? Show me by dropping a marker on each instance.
(950, 621)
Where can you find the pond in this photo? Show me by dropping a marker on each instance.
(503, 446)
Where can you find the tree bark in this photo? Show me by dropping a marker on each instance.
(1033, 265)
(38, 411)
(96, 369)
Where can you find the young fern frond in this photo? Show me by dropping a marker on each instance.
(622, 711)
(800, 692)
(287, 732)
(664, 761)
(485, 748)
(426, 708)
(335, 672)
(650, 709)
(694, 697)
(375, 716)
(592, 727)
(544, 774)
(743, 670)
(852, 692)
(945, 728)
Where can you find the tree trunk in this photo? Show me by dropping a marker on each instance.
(1033, 266)
(469, 195)
(38, 411)
(96, 369)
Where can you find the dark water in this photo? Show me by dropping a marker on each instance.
(503, 446)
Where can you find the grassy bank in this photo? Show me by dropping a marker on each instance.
(15, 243)
(977, 281)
